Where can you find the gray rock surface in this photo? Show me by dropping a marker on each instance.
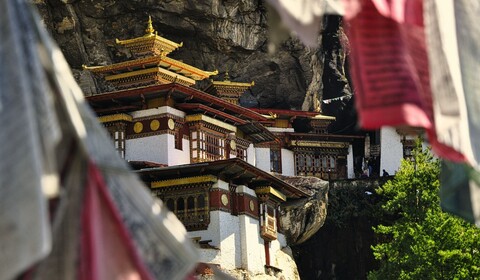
(226, 35)
(301, 219)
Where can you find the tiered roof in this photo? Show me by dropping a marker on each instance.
(228, 90)
(185, 98)
(151, 65)
(149, 44)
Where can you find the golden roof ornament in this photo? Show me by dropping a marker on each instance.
(226, 77)
(149, 30)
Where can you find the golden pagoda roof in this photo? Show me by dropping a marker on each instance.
(165, 62)
(230, 84)
(228, 87)
(150, 43)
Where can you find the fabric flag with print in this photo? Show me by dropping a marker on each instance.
(27, 142)
(460, 191)
(390, 67)
(454, 47)
(73, 163)
(389, 63)
(304, 17)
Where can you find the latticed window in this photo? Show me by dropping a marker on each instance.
(207, 146)
(408, 147)
(275, 160)
(310, 163)
(191, 209)
(119, 142)
(241, 153)
(268, 222)
(241, 148)
(178, 140)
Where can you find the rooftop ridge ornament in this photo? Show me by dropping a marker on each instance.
(226, 77)
(149, 30)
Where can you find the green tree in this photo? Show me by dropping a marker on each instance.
(422, 241)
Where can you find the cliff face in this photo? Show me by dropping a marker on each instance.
(341, 248)
(226, 35)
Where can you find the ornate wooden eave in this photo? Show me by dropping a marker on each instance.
(185, 69)
(228, 87)
(133, 67)
(109, 102)
(184, 181)
(235, 170)
(207, 119)
(324, 137)
(125, 66)
(115, 117)
(317, 144)
(288, 114)
(196, 107)
(272, 192)
(256, 132)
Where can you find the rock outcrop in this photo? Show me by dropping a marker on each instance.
(341, 249)
(302, 218)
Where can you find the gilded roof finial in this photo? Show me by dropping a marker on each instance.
(149, 29)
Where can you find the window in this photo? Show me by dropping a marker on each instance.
(178, 140)
(171, 205)
(312, 163)
(207, 146)
(201, 201)
(268, 222)
(241, 148)
(190, 203)
(180, 206)
(119, 142)
(241, 153)
(408, 146)
(275, 160)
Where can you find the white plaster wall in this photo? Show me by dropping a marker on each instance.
(175, 156)
(246, 190)
(209, 255)
(275, 246)
(224, 231)
(262, 156)
(391, 150)
(151, 148)
(230, 239)
(220, 185)
(237, 239)
(350, 169)
(288, 162)
(157, 111)
(281, 129)
(252, 247)
(251, 155)
(211, 233)
(253, 251)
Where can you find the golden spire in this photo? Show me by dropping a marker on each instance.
(149, 29)
(226, 77)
